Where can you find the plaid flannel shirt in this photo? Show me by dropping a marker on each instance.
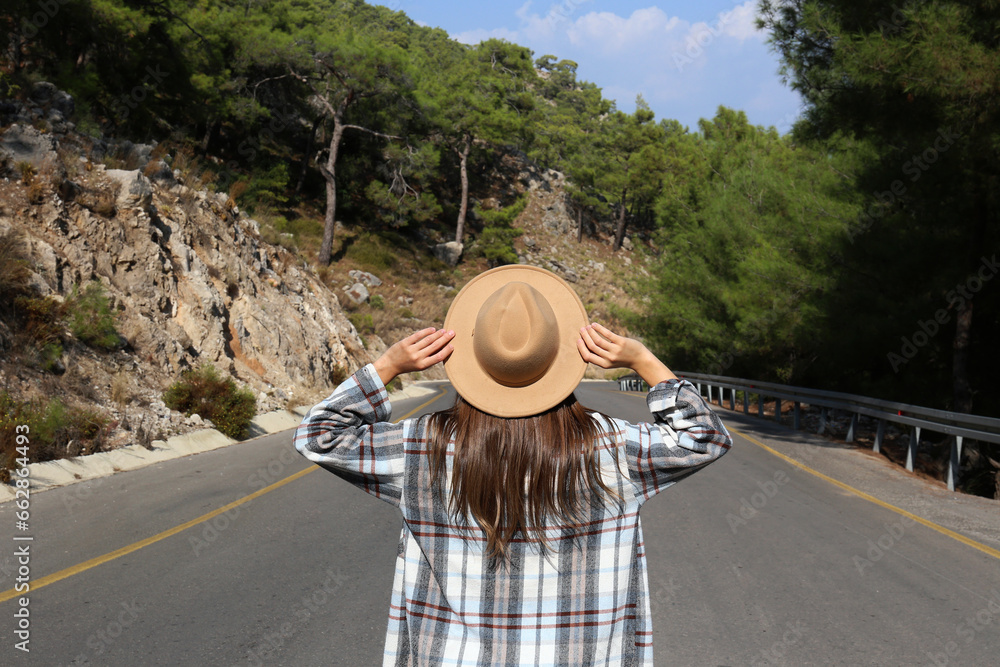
(584, 602)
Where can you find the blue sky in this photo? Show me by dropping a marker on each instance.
(685, 58)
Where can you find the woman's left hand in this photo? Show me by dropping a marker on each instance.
(416, 352)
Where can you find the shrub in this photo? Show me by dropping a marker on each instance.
(371, 252)
(497, 241)
(202, 391)
(377, 302)
(363, 322)
(265, 190)
(502, 217)
(91, 319)
(27, 172)
(53, 429)
(497, 245)
(121, 389)
(15, 272)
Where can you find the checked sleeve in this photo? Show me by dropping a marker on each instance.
(685, 437)
(349, 435)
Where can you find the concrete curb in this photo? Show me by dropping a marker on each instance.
(53, 474)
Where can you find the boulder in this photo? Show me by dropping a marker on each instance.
(449, 253)
(357, 293)
(365, 278)
(627, 244)
(23, 143)
(136, 190)
(42, 91)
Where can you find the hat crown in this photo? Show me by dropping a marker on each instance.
(516, 337)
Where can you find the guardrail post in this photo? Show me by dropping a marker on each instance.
(955, 462)
(911, 450)
(746, 402)
(732, 399)
(699, 390)
(709, 394)
(852, 428)
(798, 416)
(879, 434)
(760, 405)
(822, 421)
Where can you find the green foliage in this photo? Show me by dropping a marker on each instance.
(745, 234)
(363, 322)
(204, 392)
(264, 191)
(377, 302)
(503, 217)
(53, 429)
(496, 243)
(15, 272)
(91, 319)
(373, 252)
(917, 83)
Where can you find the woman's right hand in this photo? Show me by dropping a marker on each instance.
(602, 347)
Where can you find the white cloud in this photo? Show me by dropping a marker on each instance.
(615, 34)
(683, 69)
(472, 37)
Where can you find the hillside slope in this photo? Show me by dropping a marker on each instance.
(191, 280)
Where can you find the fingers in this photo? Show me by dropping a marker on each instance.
(589, 356)
(433, 349)
(608, 334)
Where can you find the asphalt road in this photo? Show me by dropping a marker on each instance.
(751, 561)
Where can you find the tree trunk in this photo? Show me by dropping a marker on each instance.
(330, 174)
(620, 232)
(960, 360)
(210, 132)
(464, 208)
(579, 224)
(306, 156)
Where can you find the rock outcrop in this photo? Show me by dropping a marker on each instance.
(190, 279)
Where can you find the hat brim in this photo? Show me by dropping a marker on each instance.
(475, 385)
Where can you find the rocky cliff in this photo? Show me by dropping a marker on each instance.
(188, 276)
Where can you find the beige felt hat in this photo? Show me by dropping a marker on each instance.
(516, 329)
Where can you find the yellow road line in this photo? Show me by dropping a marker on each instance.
(35, 584)
(990, 551)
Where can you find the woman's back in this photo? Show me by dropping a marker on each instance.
(521, 539)
(584, 600)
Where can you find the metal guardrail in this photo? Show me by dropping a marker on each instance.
(632, 382)
(958, 425)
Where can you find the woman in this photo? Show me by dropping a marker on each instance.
(521, 540)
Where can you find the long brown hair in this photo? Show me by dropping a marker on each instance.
(513, 476)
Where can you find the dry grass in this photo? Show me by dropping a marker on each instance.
(121, 389)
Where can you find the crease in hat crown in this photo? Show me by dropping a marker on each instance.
(516, 335)
(549, 373)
